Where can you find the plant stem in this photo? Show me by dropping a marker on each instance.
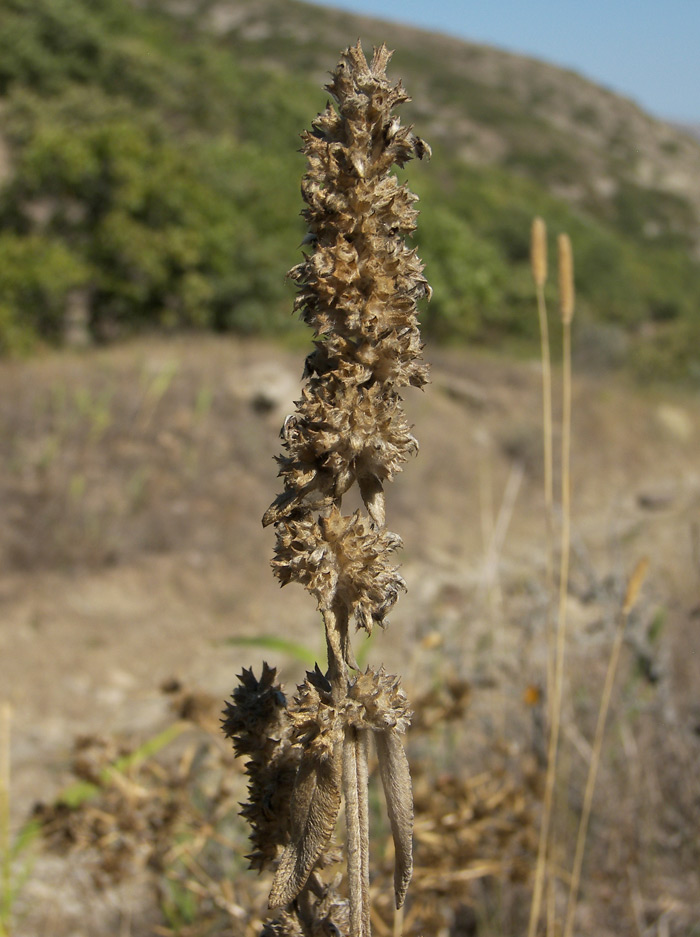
(632, 590)
(335, 620)
(553, 746)
(357, 823)
(548, 482)
(5, 862)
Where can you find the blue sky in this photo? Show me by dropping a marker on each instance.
(648, 50)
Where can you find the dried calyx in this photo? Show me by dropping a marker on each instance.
(358, 290)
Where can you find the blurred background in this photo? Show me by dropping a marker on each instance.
(149, 210)
(150, 173)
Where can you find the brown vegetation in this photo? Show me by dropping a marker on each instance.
(109, 594)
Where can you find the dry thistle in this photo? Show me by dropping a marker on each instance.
(358, 290)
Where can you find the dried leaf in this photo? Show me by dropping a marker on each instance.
(396, 779)
(314, 811)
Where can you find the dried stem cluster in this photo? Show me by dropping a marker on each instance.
(358, 290)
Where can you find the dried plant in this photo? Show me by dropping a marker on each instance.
(538, 258)
(358, 290)
(556, 667)
(634, 585)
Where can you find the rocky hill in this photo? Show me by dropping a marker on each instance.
(149, 177)
(586, 144)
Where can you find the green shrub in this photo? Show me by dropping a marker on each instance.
(172, 236)
(161, 160)
(467, 274)
(36, 273)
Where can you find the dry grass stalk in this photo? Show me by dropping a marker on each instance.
(634, 584)
(538, 249)
(5, 856)
(566, 305)
(358, 290)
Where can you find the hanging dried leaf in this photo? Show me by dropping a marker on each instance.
(314, 811)
(396, 778)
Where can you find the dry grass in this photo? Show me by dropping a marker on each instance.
(6, 882)
(167, 611)
(172, 822)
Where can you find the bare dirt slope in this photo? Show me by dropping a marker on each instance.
(133, 481)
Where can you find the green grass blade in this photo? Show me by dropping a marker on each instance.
(272, 643)
(24, 838)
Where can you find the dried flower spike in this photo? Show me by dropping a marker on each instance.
(358, 289)
(538, 252)
(566, 278)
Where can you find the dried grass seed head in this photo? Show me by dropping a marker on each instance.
(538, 251)
(566, 278)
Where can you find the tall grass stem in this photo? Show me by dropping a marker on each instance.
(633, 587)
(566, 301)
(5, 857)
(539, 273)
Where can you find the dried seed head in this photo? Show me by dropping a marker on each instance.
(374, 701)
(634, 584)
(358, 289)
(374, 704)
(326, 917)
(538, 252)
(257, 721)
(331, 447)
(341, 559)
(566, 278)
(286, 925)
(256, 716)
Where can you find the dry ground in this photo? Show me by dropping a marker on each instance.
(133, 480)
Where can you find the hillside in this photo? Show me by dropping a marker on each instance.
(149, 177)
(489, 107)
